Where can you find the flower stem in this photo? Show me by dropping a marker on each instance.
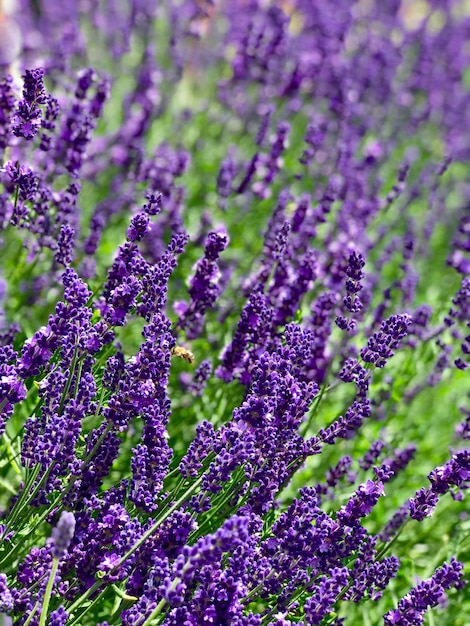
(48, 593)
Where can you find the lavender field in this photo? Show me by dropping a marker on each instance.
(234, 312)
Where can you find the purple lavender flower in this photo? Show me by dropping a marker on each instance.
(451, 477)
(395, 523)
(152, 455)
(65, 246)
(423, 504)
(12, 388)
(139, 227)
(334, 476)
(204, 442)
(361, 92)
(49, 123)
(455, 473)
(227, 173)
(353, 283)
(401, 458)
(372, 454)
(28, 117)
(7, 104)
(204, 287)
(253, 327)
(371, 578)
(200, 378)
(62, 534)
(58, 617)
(6, 598)
(323, 599)
(343, 426)
(412, 608)
(381, 345)
(362, 502)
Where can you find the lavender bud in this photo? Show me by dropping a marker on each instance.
(62, 534)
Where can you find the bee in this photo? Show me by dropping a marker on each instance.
(183, 353)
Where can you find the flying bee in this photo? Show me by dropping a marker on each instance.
(183, 353)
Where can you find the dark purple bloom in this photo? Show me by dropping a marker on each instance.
(343, 426)
(204, 286)
(24, 179)
(253, 328)
(122, 300)
(381, 345)
(412, 608)
(334, 476)
(155, 278)
(65, 246)
(12, 388)
(353, 282)
(383, 473)
(227, 173)
(49, 122)
(153, 205)
(423, 504)
(372, 454)
(139, 227)
(28, 117)
(204, 442)
(150, 372)
(455, 473)
(201, 376)
(58, 617)
(362, 502)
(322, 601)
(263, 128)
(371, 578)
(401, 458)
(395, 523)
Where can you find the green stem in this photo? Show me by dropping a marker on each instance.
(69, 380)
(227, 494)
(158, 522)
(19, 504)
(386, 547)
(78, 619)
(10, 452)
(158, 609)
(48, 593)
(137, 545)
(32, 614)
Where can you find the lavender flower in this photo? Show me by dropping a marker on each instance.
(7, 103)
(352, 301)
(411, 609)
(322, 601)
(28, 117)
(6, 598)
(65, 245)
(204, 287)
(380, 347)
(241, 104)
(62, 534)
(422, 505)
(362, 502)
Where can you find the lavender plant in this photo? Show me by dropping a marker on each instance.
(234, 313)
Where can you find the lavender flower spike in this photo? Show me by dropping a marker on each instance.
(28, 117)
(204, 287)
(412, 607)
(62, 534)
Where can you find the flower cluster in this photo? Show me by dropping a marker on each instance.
(219, 404)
